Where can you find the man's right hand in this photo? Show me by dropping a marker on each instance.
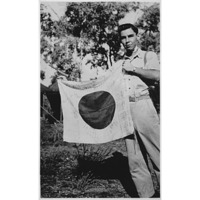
(124, 71)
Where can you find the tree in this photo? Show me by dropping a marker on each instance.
(57, 47)
(98, 22)
(91, 27)
(149, 25)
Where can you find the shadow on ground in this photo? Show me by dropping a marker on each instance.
(115, 167)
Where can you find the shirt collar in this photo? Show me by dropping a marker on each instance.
(136, 53)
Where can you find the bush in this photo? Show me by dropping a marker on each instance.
(50, 133)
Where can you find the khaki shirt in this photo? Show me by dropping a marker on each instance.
(136, 87)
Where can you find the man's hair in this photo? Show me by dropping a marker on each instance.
(127, 26)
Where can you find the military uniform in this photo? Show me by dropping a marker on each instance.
(146, 124)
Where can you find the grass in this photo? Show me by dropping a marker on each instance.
(80, 170)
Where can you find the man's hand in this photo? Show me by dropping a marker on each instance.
(124, 71)
(128, 66)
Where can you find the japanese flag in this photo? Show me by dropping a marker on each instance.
(96, 111)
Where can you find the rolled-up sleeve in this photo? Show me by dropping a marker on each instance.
(152, 61)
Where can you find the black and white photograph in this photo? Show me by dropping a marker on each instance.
(100, 99)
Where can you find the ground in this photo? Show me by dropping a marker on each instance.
(80, 170)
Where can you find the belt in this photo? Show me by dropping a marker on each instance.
(134, 99)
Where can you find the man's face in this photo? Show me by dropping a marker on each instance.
(128, 39)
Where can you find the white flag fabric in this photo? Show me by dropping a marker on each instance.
(96, 111)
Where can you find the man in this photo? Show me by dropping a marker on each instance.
(140, 69)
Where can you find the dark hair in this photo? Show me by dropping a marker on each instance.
(127, 26)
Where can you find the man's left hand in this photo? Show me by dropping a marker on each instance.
(128, 66)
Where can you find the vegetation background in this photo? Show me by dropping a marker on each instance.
(91, 28)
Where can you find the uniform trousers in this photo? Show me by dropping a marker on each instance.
(147, 131)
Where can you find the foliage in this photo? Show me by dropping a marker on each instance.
(47, 109)
(91, 27)
(56, 47)
(51, 160)
(50, 133)
(149, 24)
(98, 22)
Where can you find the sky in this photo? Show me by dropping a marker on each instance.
(56, 9)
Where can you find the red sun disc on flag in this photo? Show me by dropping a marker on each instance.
(97, 109)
